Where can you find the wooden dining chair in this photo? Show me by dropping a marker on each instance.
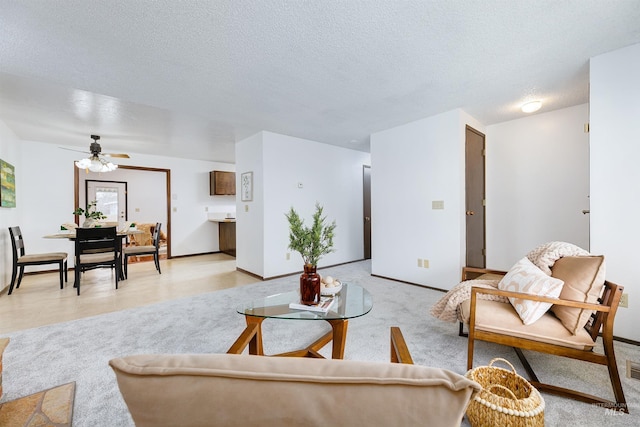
(153, 249)
(21, 259)
(96, 248)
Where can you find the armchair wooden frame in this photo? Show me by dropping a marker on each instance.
(602, 320)
(250, 336)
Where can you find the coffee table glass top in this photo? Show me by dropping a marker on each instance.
(352, 301)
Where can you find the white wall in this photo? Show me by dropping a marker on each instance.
(413, 165)
(615, 131)
(44, 192)
(329, 175)
(249, 214)
(537, 184)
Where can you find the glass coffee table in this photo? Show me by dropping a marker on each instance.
(352, 301)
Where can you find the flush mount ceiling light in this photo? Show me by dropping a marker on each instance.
(531, 107)
(96, 162)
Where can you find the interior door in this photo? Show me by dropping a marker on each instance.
(475, 198)
(366, 180)
(111, 199)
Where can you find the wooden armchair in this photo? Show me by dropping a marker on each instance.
(497, 322)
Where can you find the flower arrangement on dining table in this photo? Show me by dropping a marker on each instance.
(90, 214)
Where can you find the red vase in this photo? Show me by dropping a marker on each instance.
(309, 285)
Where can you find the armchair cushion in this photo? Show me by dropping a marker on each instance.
(583, 278)
(525, 277)
(501, 318)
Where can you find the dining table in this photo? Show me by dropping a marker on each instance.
(70, 234)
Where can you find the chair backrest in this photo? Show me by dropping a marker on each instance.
(156, 235)
(98, 239)
(17, 244)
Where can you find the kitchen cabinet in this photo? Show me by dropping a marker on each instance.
(222, 183)
(227, 236)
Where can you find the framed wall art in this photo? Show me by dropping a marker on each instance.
(246, 184)
(7, 185)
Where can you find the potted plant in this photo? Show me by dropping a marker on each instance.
(312, 243)
(91, 215)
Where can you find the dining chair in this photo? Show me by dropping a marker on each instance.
(21, 259)
(153, 249)
(96, 248)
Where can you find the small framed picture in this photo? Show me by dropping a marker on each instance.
(246, 186)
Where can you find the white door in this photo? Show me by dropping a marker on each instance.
(111, 200)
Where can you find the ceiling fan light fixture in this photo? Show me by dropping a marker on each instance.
(96, 164)
(531, 107)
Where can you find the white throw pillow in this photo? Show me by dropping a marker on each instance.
(525, 277)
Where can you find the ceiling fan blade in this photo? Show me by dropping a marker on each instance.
(119, 155)
(77, 151)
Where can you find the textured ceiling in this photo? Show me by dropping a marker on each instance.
(189, 78)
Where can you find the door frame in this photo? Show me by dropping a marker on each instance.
(167, 172)
(126, 196)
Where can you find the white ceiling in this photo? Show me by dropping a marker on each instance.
(189, 78)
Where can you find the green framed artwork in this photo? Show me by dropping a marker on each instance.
(7, 185)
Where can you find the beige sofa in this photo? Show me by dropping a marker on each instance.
(238, 389)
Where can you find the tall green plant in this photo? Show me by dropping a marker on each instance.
(311, 242)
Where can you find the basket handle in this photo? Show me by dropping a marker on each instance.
(513, 396)
(500, 359)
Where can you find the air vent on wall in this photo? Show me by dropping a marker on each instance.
(633, 370)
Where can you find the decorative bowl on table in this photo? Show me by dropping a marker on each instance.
(330, 286)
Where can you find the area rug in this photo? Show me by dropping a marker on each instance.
(52, 407)
(80, 350)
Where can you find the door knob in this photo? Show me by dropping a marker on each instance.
(470, 213)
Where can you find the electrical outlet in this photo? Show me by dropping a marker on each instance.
(624, 301)
(419, 262)
(425, 263)
(288, 256)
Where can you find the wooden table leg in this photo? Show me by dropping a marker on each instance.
(255, 346)
(339, 337)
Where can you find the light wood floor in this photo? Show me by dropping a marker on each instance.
(40, 301)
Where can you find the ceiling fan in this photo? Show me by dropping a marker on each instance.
(96, 162)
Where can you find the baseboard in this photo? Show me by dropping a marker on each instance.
(410, 283)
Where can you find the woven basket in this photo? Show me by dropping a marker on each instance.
(506, 399)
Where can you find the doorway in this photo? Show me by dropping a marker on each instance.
(475, 198)
(366, 182)
(163, 195)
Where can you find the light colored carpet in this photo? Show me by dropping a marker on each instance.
(79, 350)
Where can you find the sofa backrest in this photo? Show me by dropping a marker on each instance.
(232, 390)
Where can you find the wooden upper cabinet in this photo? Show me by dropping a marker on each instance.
(222, 183)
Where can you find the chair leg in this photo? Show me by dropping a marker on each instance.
(156, 258)
(116, 265)
(77, 279)
(14, 273)
(126, 263)
(20, 276)
(61, 267)
(461, 332)
(66, 270)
